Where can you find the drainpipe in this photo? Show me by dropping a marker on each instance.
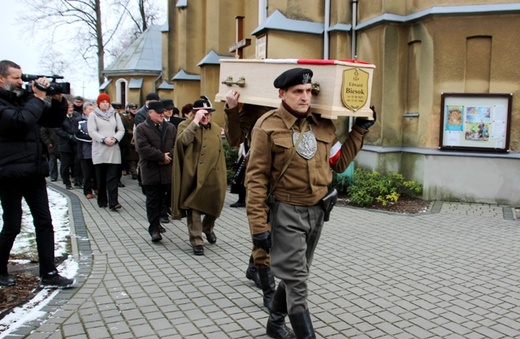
(155, 82)
(326, 25)
(353, 46)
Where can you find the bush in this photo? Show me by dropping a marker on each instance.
(369, 187)
(231, 154)
(341, 183)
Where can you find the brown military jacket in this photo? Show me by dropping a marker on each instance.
(240, 122)
(304, 182)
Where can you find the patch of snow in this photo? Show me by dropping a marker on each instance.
(25, 243)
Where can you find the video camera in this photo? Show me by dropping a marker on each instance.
(53, 88)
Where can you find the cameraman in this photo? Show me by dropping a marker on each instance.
(23, 168)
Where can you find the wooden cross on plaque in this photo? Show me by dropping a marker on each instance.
(240, 42)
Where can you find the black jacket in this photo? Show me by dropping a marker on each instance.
(67, 142)
(151, 144)
(21, 150)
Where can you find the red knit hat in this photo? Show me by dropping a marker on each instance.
(101, 97)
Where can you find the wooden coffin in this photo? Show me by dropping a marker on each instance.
(341, 87)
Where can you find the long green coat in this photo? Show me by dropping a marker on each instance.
(199, 170)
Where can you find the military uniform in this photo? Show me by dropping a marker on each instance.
(199, 179)
(295, 216)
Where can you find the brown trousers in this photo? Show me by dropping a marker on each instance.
(197, 225)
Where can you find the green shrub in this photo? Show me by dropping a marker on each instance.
(369, 187)
(341, 183)
(231, 154)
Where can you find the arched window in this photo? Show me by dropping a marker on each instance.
(121, 91)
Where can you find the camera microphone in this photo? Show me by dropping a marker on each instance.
(30, 77)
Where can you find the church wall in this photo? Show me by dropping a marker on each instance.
(416, 61)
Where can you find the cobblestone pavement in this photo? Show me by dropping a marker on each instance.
(449, 273)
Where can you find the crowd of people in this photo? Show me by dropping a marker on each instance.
(286, 158)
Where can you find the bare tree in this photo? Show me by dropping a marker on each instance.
(92, 27)
(148, 14)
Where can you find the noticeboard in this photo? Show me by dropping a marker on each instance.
(473, 121)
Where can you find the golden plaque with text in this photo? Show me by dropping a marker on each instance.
(354, 88)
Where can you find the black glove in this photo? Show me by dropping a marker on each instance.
(263, 240)
(364, 122)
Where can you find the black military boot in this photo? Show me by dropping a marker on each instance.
(268, 285)
(276, 323)
(252, 273)
(302, 325)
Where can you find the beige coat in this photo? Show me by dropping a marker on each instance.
(99, 128)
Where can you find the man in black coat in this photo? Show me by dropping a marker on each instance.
(154, 140)
(23, 168)
(67, 146)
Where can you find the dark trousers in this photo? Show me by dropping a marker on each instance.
(34, 191)
(107, 178)
(66, 167)
(89, 176)
(167, 201)
(155, 195)
(53, 166)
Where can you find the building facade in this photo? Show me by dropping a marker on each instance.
(424, 51)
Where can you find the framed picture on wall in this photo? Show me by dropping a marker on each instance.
(474, 121)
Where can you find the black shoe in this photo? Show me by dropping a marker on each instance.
(102, 206)
(162, 229)
(134, 176)
(198, 250)
(120, 184)
(165, 219)
(68, 186)
(115, 207)
(6, 280)
(268, 285)
(54, 180)
(238, 204)
(156, 236)
(54, 280)
(77, 184)
(212, 238)
(252, 273)
(302, 325)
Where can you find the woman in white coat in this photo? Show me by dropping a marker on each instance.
(106, 130)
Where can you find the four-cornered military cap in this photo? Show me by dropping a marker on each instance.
(168, 103)
(132, 105)
(293, 77)
(79, 98)
(157, 106)
(152, 96)
(203, 103)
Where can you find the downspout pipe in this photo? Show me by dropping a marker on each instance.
(353, 45)
(155, 82)
(326, 25)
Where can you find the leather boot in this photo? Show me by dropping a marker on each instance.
(252, 273)
(268, 285)
(302, 325)
(276, 323)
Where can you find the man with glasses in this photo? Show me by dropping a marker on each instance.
(154, 140)
(200, 178)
